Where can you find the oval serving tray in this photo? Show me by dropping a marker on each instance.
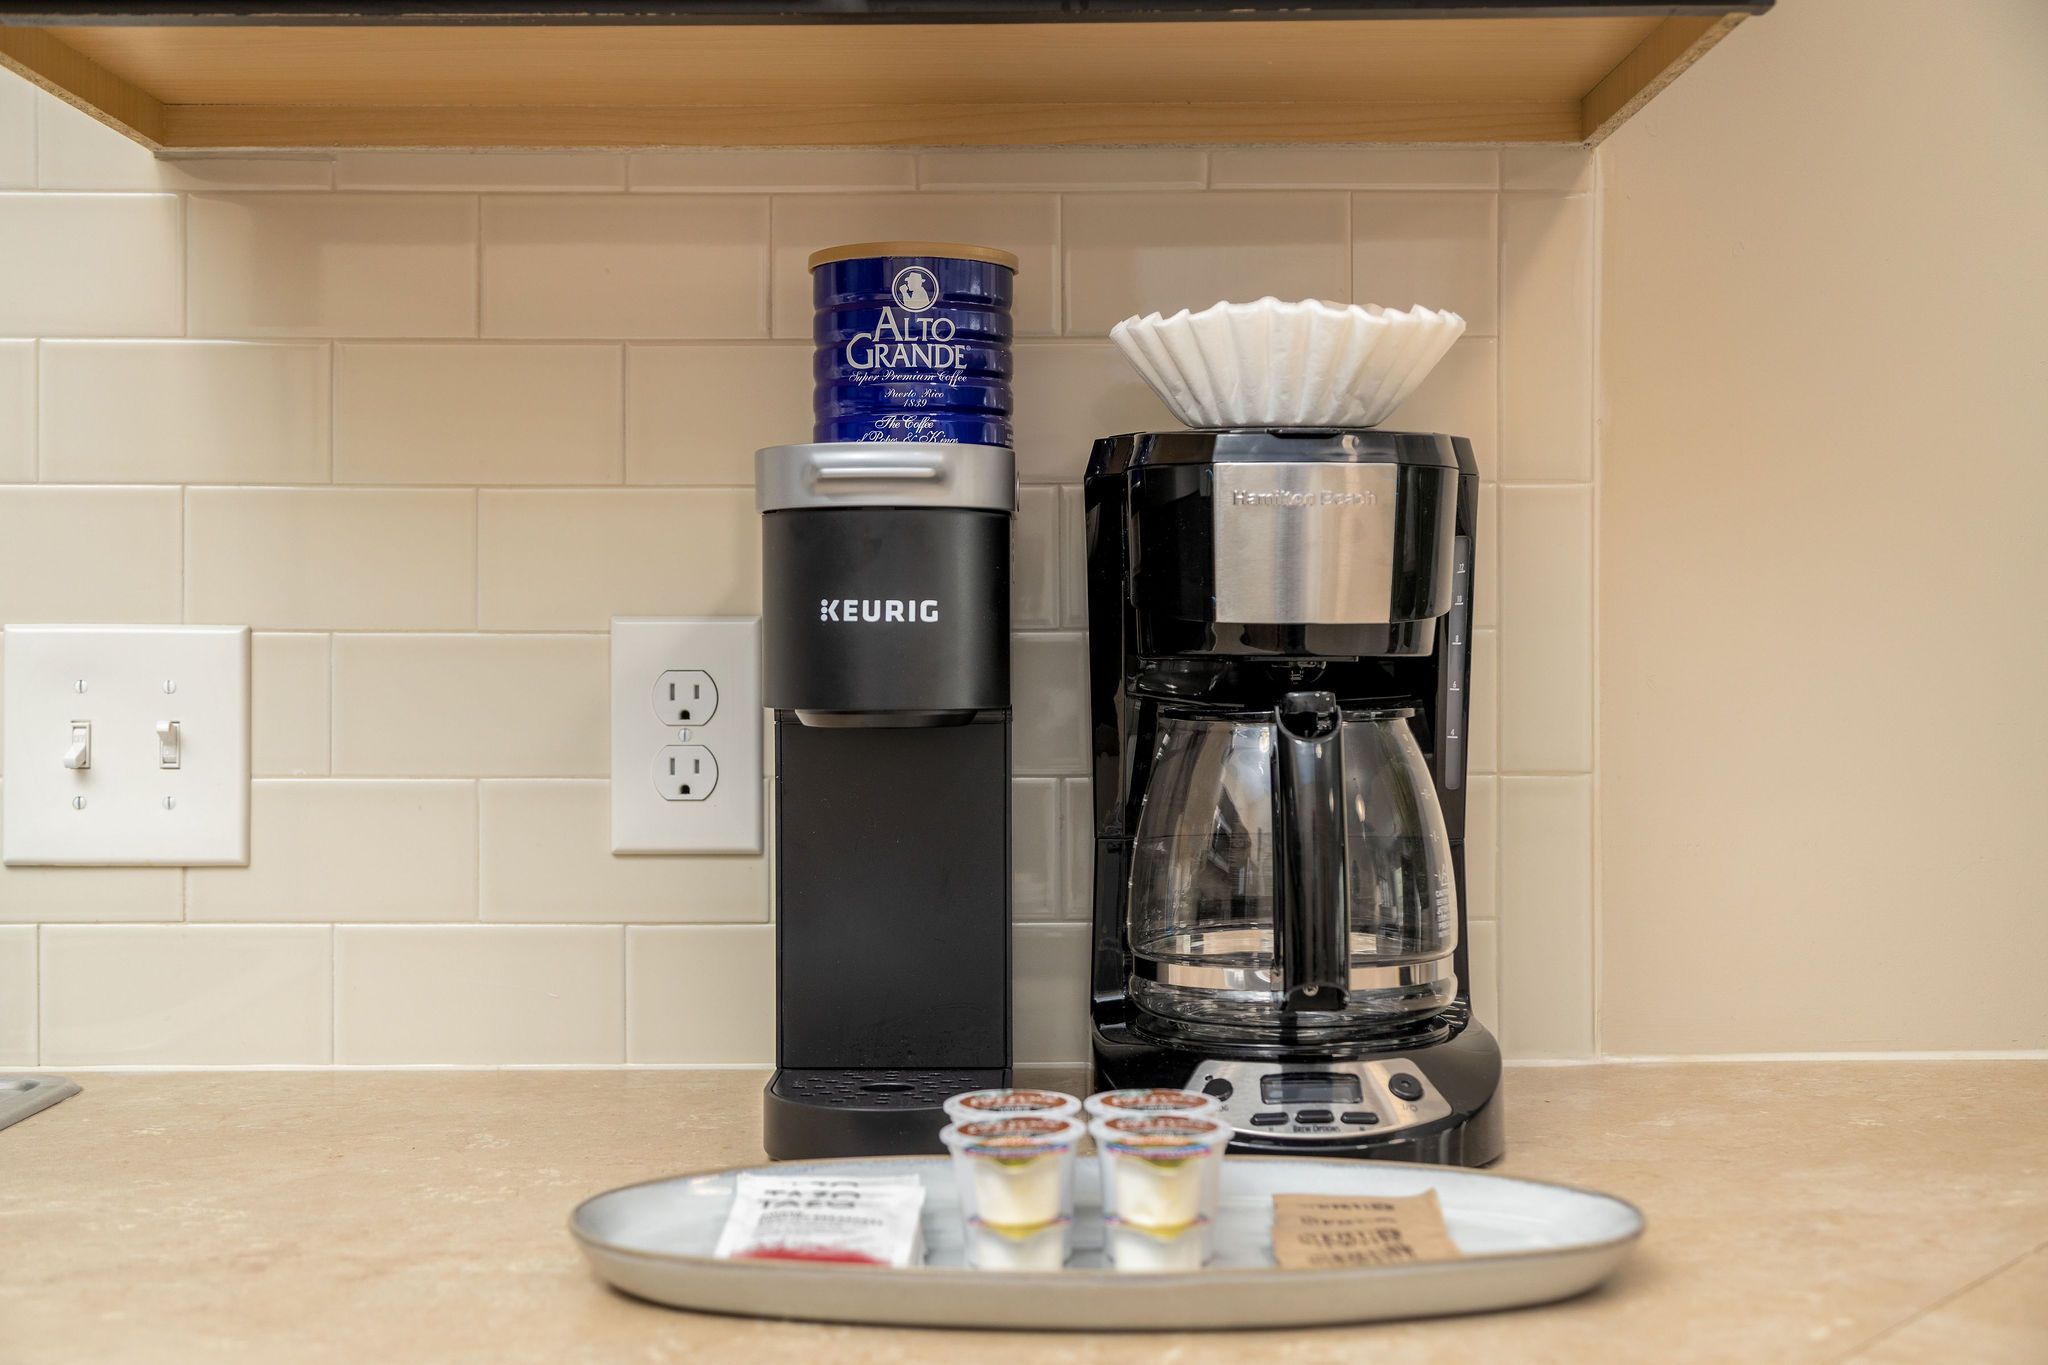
(1524, 1243)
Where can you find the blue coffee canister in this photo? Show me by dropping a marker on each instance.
(913, 342)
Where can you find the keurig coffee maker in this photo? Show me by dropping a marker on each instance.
(1278, 668)
(886, 642)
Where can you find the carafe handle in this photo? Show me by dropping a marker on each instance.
(1312, 919)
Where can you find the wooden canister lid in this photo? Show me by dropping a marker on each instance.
(958, 251)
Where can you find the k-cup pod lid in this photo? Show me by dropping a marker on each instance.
(1158, 1134)
(951, 251)
(989, 1104)
(1153, 1101)
(1014, 1135)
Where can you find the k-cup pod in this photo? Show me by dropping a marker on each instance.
(1002, 1104)
(1015, 1172)
(991, 1247)
(1134, 1249)
(1160, 1171)
(1114, 1103)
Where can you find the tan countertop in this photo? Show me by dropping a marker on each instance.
(1866, 1212)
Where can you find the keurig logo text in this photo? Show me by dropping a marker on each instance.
(877, 609)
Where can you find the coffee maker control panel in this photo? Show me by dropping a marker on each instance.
(1322, 1100)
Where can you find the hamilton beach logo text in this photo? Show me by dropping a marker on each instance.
(877, 609)
(1282, 497)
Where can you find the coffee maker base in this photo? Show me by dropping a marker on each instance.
(812, 1113)
(1437, 1103)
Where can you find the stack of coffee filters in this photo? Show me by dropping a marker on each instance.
(1013, 1163)
(1162, 1165)
(1275, 364)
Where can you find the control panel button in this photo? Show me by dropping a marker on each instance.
(1314, 1116)
(1219, 1087)
(1361, 1117)
(1269, 1119)
(1405, 1087)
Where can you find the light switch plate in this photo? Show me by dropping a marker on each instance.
(150, 797)
(686, 734)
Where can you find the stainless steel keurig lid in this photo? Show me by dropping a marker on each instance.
(885, 474)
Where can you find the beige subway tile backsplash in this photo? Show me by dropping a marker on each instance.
(1049, 690)
(1482, 949)
(1547, 347)
(428, 421)
(336, 851)
(184, 412)
(1049, 993)
(335, 265)
(1546, 916)
(764, 169)
(1077, 841)
(572, 560)
(1136, 253)
(1546, 630)
(471, 705)
(102, 265)
(88, 555)
(78, 152)
(1035, 566)
(470, 414)
(1482, 840)
(695, 414)
(17, 987)
(450, 172)
(17, 134)
(1027, 224)
(331, 558)
(1068, 393)
(49, 895)
(1559, 170)
(186, 995)
(1063, 168)
(547, 858)
(478, 994)
(288, 698)
(1354, 168)
(1436, 250)
(1484, 754)
(17, 412)
(625, 266)
(1034, 849)
(701, 994)
(1459, 398)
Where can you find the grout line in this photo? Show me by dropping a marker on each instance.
(333, 994)
(35, 407)
(476, 205)
(333, 411)
(625, 390)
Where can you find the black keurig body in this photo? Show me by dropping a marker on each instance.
(885, 614)
(1286, 934)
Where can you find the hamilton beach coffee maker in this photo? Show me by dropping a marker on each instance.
(1279, 663)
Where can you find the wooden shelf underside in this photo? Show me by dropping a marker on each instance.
(211, 90)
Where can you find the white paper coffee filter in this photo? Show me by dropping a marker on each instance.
(1286, 364)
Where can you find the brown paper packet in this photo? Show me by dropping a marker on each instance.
(1322, 1232)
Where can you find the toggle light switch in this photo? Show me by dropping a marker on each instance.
(79, 755)
(167, 744)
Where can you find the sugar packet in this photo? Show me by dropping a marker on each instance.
(853, 1220)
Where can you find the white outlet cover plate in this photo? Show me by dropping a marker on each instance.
(729, 649)
(126, 810)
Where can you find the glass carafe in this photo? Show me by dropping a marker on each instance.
(1291, 878)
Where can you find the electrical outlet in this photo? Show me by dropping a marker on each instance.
(685, 696)
(685, 772)
(686, 734)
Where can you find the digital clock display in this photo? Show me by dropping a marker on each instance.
(1310, 1087)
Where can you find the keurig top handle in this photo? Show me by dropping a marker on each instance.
(885, 474)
